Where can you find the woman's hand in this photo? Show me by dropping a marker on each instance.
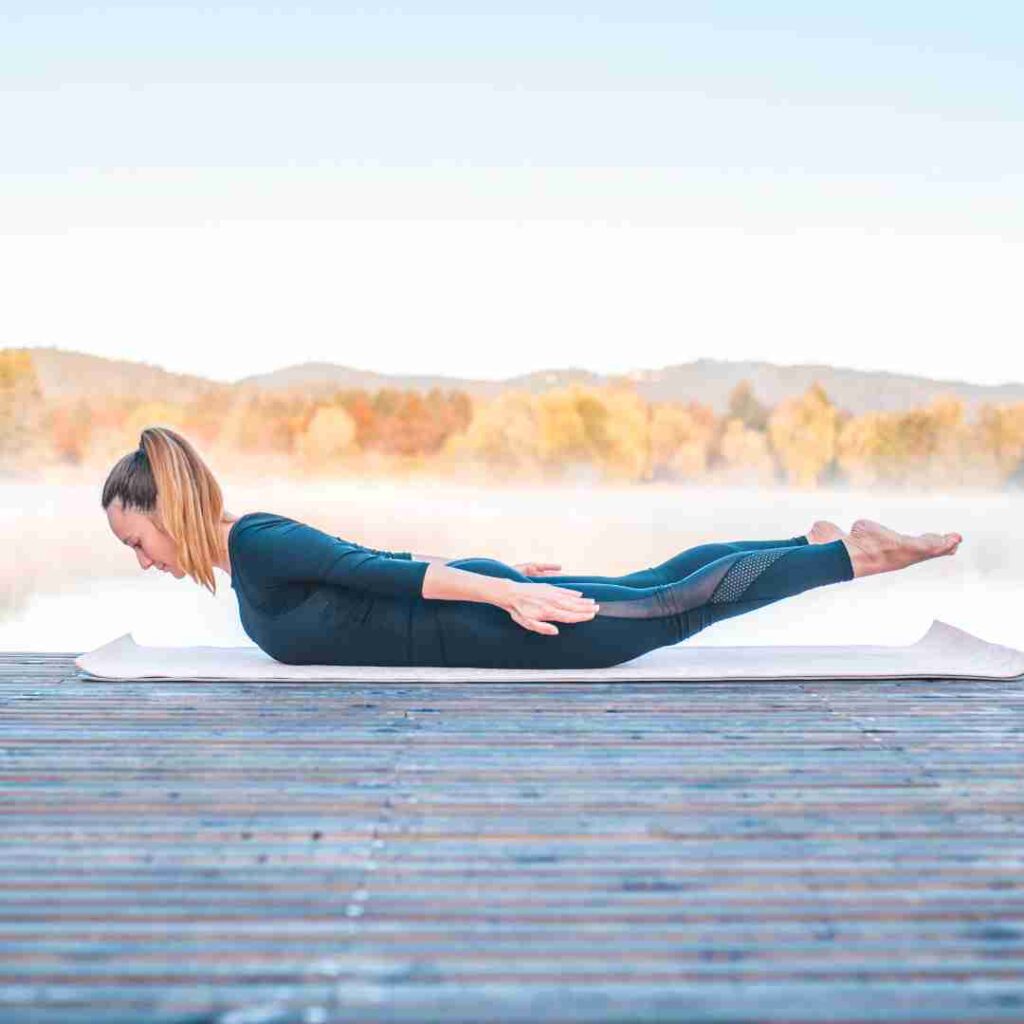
(537, 568)
(530, 604)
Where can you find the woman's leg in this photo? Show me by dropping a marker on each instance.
(633, 620)
(726, 586)
(679, 566)
(731, 585)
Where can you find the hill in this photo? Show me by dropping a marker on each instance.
(67, 375)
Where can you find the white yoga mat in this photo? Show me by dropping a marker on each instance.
(944, 652)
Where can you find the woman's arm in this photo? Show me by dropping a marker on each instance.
(408, 555)
(446, 583)
(277, 549)
(529, 604)
(431, 558)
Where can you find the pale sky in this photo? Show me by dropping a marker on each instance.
(483, 190)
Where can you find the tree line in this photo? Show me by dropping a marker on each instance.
(575, 431)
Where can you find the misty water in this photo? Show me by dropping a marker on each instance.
(67, 584)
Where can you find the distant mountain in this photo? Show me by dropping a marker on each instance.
(708, 380)
(315, 378)
(66, 375)
(858, 391)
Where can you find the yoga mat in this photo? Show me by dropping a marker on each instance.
(944, 652)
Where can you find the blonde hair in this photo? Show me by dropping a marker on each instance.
(166, 477)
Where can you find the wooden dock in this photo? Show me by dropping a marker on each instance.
(267, 853)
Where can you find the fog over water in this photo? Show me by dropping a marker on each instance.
(67, 584)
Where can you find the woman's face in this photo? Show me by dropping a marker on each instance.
(139, 532)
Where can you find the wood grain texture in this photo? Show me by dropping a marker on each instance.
(242, 853)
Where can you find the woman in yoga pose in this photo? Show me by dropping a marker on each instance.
(307, 597)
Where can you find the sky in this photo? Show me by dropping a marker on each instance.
(480, 189)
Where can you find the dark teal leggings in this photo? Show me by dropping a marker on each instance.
(643, 610)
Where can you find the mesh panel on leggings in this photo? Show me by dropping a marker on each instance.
(743, 572)
(670, 598)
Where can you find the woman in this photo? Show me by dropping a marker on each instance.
(306, 597)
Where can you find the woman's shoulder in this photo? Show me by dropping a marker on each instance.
(256, 530)
(252, 538)
(249, 522)
(249, 517)
(258, 515)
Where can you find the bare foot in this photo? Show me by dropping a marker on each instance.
(874, 548)
(822, 532)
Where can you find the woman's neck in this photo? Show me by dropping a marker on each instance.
(227, 521)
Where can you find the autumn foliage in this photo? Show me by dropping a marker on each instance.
(567, 432)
